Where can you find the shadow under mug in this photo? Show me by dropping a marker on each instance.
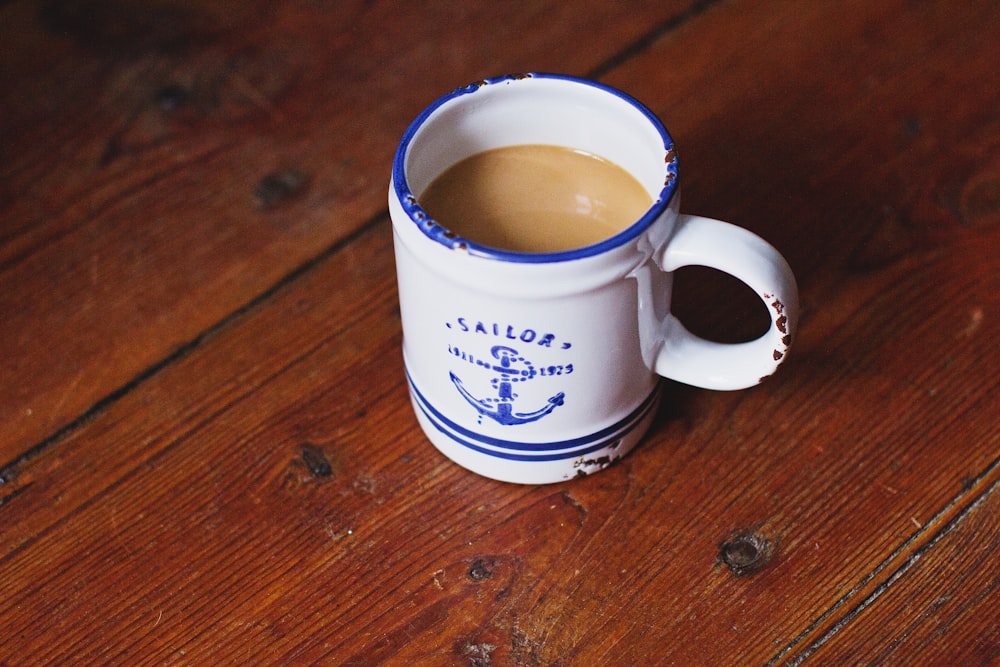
(542, 367)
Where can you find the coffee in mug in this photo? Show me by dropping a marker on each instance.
(535, 198)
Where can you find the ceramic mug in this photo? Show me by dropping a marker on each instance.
(542, 367)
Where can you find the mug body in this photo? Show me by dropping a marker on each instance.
(533, 367)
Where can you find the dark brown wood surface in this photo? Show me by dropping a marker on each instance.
(207, 454)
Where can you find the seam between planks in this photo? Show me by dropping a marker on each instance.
(8, 472)
(900, 561)
(644, 42)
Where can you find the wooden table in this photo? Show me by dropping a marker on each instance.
(207, 452)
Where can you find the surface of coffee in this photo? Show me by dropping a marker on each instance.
(535, 198)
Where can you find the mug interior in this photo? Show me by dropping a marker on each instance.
(535, 109)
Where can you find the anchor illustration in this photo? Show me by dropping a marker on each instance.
(512, 368)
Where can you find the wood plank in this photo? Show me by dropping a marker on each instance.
(941, 604)
(226, 368)
(190, 494)
(183, 530)
(193, 157)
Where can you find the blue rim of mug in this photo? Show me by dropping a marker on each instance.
(426, 224)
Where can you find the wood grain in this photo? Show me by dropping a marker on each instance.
(242, 479)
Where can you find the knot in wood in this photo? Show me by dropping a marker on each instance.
(480, 569)
(746, 553)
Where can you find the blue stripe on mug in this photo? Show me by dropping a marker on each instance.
(545, 451)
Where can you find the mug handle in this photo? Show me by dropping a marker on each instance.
(696, 361)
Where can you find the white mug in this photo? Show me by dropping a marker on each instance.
(542, 367)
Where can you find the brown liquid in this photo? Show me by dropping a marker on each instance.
(535, 198)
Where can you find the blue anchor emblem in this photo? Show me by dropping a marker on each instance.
(511, 368)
